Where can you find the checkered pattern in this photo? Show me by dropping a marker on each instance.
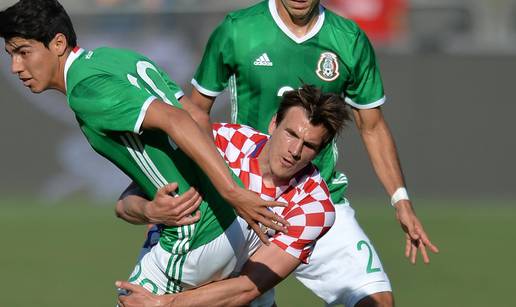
(310, 211)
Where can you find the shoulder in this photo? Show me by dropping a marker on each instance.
(236, 133)
(247, 19)
(345, 30)
(242, 22)
(341, 24)
(236, 140)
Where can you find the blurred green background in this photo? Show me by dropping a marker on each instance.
(449, 76)
(70, 254)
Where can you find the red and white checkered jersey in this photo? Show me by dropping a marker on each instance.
(310, 211)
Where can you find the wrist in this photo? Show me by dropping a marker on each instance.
(147, 212)
(165, 300)
(229, 191)
(399, 195)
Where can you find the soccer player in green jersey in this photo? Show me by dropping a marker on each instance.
(273, 46)
(129, 111)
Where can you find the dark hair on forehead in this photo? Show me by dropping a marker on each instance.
(327, 109)
(40, 20)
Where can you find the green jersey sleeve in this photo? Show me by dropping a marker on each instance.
(108, 104)
(365, 89)
(217, 64)
(172, 86)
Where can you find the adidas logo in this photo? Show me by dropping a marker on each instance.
(263, 60)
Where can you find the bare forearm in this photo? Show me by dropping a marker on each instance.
(381, 148)
(237, 291)
(264, 270)
(131, 206)
(200, 148)
(188, 136)
(384, 157)
(200, 116)
(132, 212)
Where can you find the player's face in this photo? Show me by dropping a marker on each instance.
(35, 65)
(294, 143)
(299, 9)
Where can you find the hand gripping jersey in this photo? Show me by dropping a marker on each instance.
(109, 91)
(310, 211)
(254, 54)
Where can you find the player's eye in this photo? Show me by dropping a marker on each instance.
(291, 133)
(311, 146)
(24, 52)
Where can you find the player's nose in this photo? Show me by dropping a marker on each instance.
(16, 65)
(295, 149)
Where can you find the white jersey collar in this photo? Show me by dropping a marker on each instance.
(76, 52)
(318, 25)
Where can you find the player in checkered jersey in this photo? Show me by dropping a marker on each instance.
(310, 211)
(277, 168)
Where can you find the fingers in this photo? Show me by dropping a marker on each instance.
(432, 247)
(263, 237)
(274, 221)
(412, 231)
(276, 204)
(424, 254)
(128, 286)
(191, 202)
(187, 220)
(168, 189)
(274, 225)
(413, 254)
(408, 245)
(413, 247)
(426, 241)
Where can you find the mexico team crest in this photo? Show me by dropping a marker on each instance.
(328, 66)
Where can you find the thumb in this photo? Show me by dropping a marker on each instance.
(169, 189)
(412, 231)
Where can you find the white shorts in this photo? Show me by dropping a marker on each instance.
(344, 267)
(161, 272)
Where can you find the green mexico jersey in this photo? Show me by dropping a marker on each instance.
(254, 54)
(109, 91)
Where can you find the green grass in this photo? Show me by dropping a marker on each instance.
(70, 255)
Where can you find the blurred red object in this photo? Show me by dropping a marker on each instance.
(382, 20)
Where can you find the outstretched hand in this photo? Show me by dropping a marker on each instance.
(139, 297)
(415, 236)
(255, 211)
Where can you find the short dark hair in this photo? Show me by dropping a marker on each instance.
(40, 20)
(321, 108)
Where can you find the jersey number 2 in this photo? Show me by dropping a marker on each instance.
(370, 268)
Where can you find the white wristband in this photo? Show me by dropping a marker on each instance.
(400, 194)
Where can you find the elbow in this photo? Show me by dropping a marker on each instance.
(199, 116)
(177, 119)
(119, 210)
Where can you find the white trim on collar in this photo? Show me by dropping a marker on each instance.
(317, 27)
(76, 52)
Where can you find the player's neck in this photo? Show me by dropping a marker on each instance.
(58, 81)
(298, 26)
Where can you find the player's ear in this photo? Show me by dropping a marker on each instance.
(272, 125)
(59, 44)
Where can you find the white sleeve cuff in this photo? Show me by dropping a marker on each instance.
(371, 105)
(203, 90)
(143, 111)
